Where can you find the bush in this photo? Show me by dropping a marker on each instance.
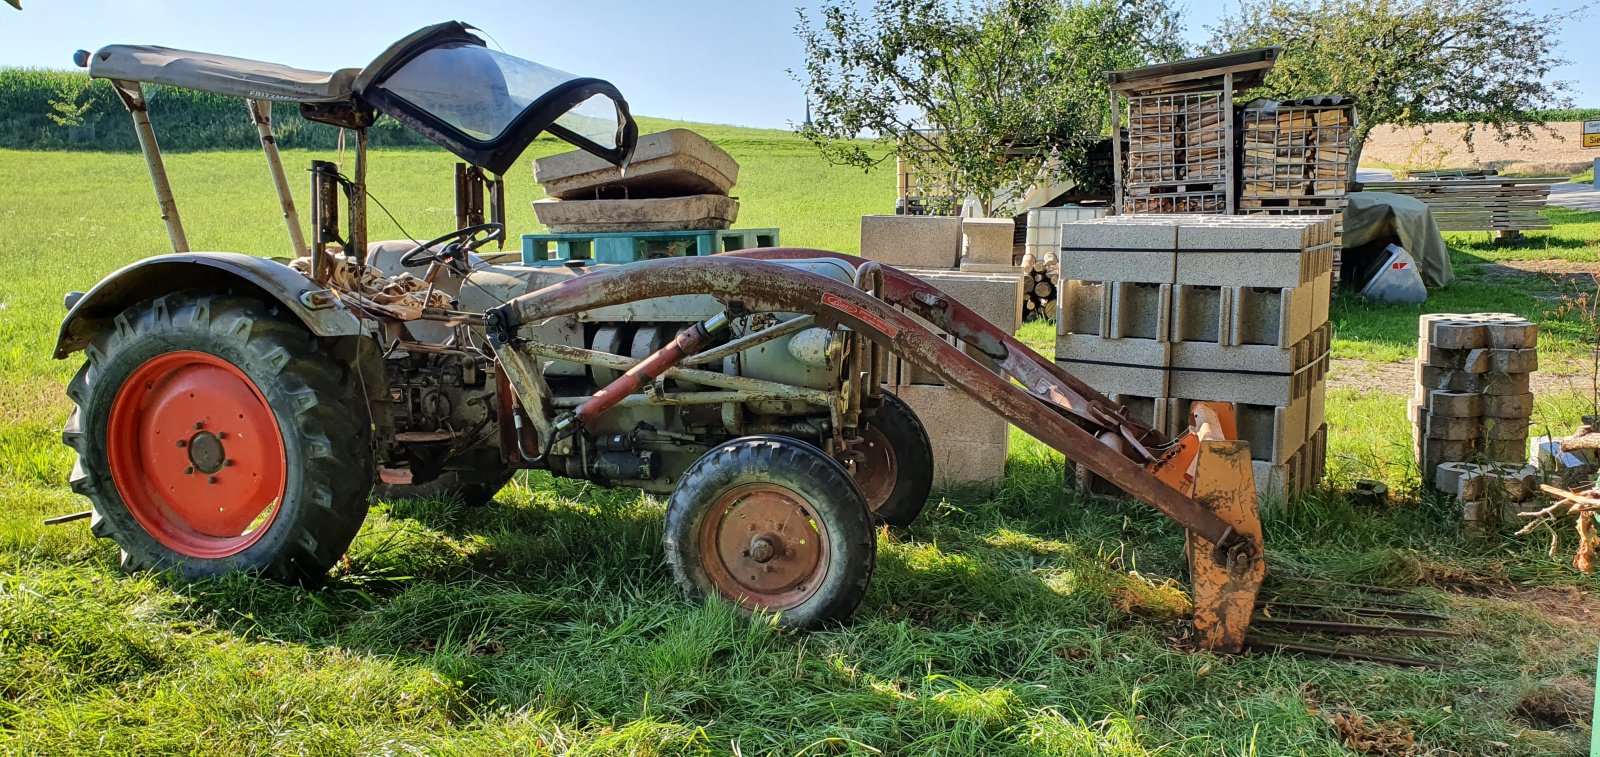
(54, 110)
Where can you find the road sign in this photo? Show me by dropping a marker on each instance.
(1591, 133)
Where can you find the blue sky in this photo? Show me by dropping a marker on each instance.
(718, 61)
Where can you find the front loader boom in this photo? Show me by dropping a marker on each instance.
(1202, 480)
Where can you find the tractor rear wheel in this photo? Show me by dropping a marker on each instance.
(895, 468)
(772, 523)
(215, 436)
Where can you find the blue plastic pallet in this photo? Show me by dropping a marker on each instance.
(632, 246)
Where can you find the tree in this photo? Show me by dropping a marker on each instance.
(1410, 61)
(986, 94)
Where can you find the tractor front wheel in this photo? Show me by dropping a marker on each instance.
(894, 467)
(772, 523)
(215, 436)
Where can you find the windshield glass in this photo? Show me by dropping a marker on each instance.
(481, 91)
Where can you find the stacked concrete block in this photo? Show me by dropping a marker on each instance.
(1159, 311)
(971, 262)
(1473, 400)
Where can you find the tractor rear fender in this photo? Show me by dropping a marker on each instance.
(220, 271)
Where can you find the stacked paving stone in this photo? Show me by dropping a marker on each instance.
(971, 260)
(677, 180)
(1159, 311)
(1473, 401)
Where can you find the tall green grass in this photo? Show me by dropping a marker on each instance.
(1033, 619)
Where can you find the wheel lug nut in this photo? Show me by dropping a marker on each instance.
(182, 443)
(188, 470)
(199, 425)
(211, 479)
(227, 463)
(766, 569)
(222, 434)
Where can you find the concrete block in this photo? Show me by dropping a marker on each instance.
(1493, 383)
(912, 241)
(1147, 353)
(1085, 308)
(997, 297)
(1255, 388)
(1111, 378)
(1263, 250)
(1160, 413)
(1505, 450)
(1277, 317)
(1446, 427)
(1508, 405)
(1497, 429)
(987, 241)
(670, 163)
(1202, 314)
(1434, 452)
(1444, 333)
(705, 211)
(1512, 360)
(991, 268)
(1278, 484)
(970, 442)
(1513, 334)
(1471, 361)
(1108, 249)
(1500, 482)
(1441, 402)
(1140, 311)
(1254, 358)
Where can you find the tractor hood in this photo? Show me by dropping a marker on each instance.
(486, 106)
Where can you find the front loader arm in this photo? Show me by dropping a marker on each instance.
(1230, 545)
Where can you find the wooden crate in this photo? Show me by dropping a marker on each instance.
(1292, 151)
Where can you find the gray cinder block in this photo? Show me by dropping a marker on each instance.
(1442, 402)
(987, 241)
(912, 241)
(1147, 353)
(1141, 311)
(1112, 249)
(1254, 358)
(1508, 405)
(1512, 360)
(668, 163)
(1111, 378)
(970, 442)
(997, 297)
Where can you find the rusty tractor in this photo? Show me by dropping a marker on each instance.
(234, 413)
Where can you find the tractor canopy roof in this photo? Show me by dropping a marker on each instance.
(440, 81)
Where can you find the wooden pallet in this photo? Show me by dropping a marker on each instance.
(1490, 203)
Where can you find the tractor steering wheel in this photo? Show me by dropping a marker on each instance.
(467, 240)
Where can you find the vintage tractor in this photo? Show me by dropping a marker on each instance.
(234, 412)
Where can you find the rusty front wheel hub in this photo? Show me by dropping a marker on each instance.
(763, 546)
(874, 467)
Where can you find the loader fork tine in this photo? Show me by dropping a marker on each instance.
(1224, 592)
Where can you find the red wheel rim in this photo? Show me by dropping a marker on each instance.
(763, 546)
(875, 470)
(196, 454)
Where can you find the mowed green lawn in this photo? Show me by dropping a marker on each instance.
(1029, 620)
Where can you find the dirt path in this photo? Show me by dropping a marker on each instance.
(1400, 378)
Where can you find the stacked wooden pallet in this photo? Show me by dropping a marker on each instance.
(1490, 203)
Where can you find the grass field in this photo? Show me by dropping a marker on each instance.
(1031, 620)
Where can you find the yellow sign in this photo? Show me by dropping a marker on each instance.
(1591, 133)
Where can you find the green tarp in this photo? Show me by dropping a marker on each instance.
(1373, 217)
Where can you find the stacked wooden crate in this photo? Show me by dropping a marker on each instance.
(1502, 204)
(1179, 153)
(1296, 160)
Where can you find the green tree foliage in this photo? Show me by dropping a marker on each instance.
(985, 95)
(1411, 61)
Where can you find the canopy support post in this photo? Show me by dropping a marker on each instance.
(261, 114)
(132, 96)
(356, 192)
